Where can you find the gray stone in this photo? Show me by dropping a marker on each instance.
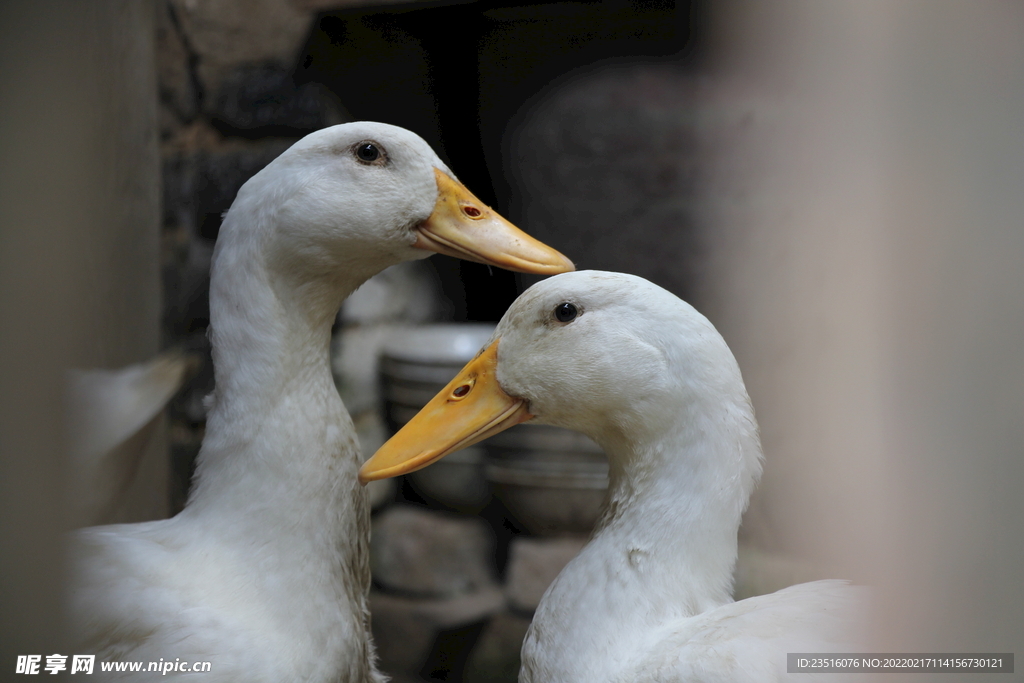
(320, 5)
(265, 99)
(610, 154)
(226, 34)
(427, 553)
(178, 98)
(533, 564)
(404, 629)
(495, 658)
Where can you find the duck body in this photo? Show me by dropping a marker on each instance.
(265, 573)
(649, 379)
(267, 581)
(625, 634)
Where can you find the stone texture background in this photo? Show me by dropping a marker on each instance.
(605, 164)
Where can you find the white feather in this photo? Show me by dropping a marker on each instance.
(265, 573)
(649, 597)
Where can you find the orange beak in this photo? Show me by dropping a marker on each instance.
(471, 408)
(464, 227)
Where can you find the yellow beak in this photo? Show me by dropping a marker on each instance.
(464, 227)
(471, 408)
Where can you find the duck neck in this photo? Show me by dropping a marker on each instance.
(675, 503)
(276, 428)
(270, 333)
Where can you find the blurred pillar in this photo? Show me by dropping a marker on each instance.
(869, 223)
(79, 269)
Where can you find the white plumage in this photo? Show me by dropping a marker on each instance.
(648, 599)
(265, 574)
(646, 376)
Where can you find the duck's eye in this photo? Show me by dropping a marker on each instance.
(565, 312)
(367, 152)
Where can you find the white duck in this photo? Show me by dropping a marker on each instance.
(265, 574)
(651, 380)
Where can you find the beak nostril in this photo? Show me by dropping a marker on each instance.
(461, 391)
(471, 211)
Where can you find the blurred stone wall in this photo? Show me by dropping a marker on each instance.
(605, 166)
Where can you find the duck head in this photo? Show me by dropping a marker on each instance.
(363, 196)
(610, 355)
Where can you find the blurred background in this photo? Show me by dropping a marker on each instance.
(837, 186)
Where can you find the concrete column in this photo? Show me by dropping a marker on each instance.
(870, 242)
(79, 269)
